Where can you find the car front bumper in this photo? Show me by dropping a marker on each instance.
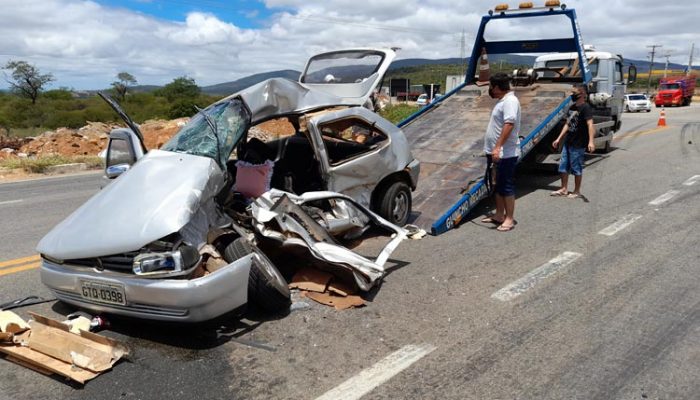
(639, 107)
(175, 300)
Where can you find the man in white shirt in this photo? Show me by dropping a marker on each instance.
(502, 148)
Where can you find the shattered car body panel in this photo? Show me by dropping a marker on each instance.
(297, 227)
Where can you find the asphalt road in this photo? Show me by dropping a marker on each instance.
(593, 298)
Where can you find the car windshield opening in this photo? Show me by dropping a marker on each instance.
(231, 120)
(637, 97)
(343, 67)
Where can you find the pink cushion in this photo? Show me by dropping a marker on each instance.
(252, 180)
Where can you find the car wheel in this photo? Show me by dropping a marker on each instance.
(627, 109)
(606, 148)
(649, 110)
(267, 288)
(395, 203)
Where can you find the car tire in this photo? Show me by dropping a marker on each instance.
(649, 110)
(267, 288)
(606, 148)
(395, 202)
(627, 109)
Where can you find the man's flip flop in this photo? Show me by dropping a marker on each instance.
(557, 193)
(574, 196)
(503, 228)
(491, 220)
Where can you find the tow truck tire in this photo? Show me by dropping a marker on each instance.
(395, 203)
(267, 288)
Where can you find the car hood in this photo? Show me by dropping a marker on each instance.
(155, 198)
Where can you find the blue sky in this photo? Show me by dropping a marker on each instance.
(86, 43)
(242, 13)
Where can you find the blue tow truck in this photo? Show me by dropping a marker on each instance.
(447, 135)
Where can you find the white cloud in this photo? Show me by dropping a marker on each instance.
(85, 44)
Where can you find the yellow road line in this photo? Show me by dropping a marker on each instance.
(12, 270)
(17, 261)
(642, 133)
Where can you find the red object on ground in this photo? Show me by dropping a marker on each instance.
(662, 118)
(675, 91)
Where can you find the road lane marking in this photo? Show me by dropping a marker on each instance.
(533, 277)
(691, 181)
(664, 198)
(12, 270)
(368, 379)
(2, 203)
(18, 261)
(620, 224)
(641, 133)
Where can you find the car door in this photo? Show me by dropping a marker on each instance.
(353, 147)
(350, 74)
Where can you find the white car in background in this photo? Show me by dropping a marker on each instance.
(637, 102)
(422, 100)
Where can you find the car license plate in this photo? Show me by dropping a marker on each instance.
(108, 293)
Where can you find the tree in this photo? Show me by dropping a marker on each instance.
(121, 85)
(27, 81)
(179, 89)
(182, 95)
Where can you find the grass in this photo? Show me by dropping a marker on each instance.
(40, 164)
(398, 112)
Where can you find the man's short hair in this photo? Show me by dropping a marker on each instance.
(500, 80)
(581, 86)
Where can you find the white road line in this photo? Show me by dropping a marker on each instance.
(691, 181)
(533, 277)
(368, 379)
(10, 202)
(620, 224)
(664, 198)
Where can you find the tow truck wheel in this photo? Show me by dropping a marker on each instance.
(267, 288)
(395, 203)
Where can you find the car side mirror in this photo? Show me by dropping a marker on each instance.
(114, 171)
(631, 74)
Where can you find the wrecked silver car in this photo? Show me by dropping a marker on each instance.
(177, 233)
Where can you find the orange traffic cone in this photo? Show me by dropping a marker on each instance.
(662, 118)
(484, 69)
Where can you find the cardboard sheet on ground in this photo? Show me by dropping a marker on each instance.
(333, 300)
(49, 345)
(310, 279)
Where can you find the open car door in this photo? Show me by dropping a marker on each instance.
(350, 74)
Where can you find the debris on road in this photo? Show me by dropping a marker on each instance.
(49, 346)
(324, 288)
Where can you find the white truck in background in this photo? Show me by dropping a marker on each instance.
(607, 87)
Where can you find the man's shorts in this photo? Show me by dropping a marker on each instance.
(571, 160)
(505, 175)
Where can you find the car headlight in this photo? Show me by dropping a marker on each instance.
(173, 263)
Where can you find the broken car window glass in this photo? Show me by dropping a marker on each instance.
(230, 119)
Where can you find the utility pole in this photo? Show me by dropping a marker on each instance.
(651, 66)
(690, 60)
(667, 55)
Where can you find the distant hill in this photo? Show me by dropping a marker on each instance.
(227, 88)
